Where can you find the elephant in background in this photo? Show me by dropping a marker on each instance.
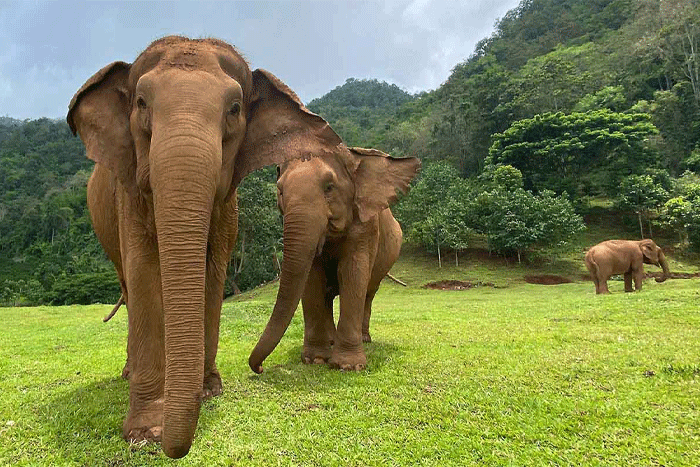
(172, 135)
(340, 239)
(624, 257)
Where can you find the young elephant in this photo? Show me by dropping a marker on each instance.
(340, 238)
(623, 257)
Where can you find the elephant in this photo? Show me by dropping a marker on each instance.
(340, 239)
(172, 134)
(624, 257)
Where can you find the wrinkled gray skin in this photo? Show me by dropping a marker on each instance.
(624, 257)
(172, 134)
(340, 239)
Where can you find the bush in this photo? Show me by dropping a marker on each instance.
(21, 293)
(84, 289)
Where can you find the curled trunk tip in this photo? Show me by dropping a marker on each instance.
(256, 367)
(663, 264)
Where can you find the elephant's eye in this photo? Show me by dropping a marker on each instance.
(235, 108)
(328, 187)
(141, 103)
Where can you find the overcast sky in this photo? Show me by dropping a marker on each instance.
(48, 49)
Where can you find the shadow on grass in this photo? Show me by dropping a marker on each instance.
(81, 419)
(85, 416)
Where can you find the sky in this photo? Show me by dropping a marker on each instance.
(48, 49)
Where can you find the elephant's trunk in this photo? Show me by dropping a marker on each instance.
(302, 240)
(663, 262)
(183, 172)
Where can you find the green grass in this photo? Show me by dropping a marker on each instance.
(515, 375)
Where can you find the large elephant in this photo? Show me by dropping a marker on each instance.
(172, 135)
(624, 257)
(340, 238)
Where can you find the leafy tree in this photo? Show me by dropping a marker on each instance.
(609, 97)
(644, 195)
(682, 211)
(568, 152)
(435, 211)
(259, 232)
(518, 221)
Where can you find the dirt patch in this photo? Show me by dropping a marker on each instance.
(547, 279)
(456, 285)
(674, 275)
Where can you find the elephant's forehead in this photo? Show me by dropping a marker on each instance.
(189, 55)
(305, 168)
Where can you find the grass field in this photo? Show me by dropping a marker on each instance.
(516, 374)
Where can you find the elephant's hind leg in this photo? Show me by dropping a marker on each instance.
(366, 337)
(628, 281)
(602, 285)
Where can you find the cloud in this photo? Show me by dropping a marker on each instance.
(51, 48)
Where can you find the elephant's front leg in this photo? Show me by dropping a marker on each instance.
(348, 353)
(146, 348)
(212, 386)
(318, 317)
(638, 279)
(222, 239)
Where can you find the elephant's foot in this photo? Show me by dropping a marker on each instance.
(316, 355)
(212, 386)
(145, 424)
(348, 361)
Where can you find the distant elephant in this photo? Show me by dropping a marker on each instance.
(172, 135)
(624, 257)
(340, 238)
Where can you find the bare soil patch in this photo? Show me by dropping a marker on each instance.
(456, 285)
(674, 275)
(547, 279)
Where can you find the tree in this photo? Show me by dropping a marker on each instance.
(434, 212)
(682, 211)
(259, 232)
(518, 221)
(570, 152)
(644, 195)
(515, 220)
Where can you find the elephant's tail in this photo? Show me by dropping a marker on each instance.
(591, 263)
(111, 314)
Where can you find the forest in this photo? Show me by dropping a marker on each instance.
(569, 106)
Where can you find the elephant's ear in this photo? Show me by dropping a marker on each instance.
(378, 177)
(649, 250)
(280, 128)
(99, 114)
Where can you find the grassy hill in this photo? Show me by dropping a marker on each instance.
(509, 373)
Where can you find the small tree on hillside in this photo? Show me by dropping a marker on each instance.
(643, 195)
(434, 212)
(515, 220)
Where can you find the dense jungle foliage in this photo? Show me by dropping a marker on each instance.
(567, 104)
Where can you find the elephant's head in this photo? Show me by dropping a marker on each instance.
(653, 254)
(179, 128)
(324, 198)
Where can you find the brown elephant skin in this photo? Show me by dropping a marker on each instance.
(172, 134)
(340, 239)
(625, 257)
